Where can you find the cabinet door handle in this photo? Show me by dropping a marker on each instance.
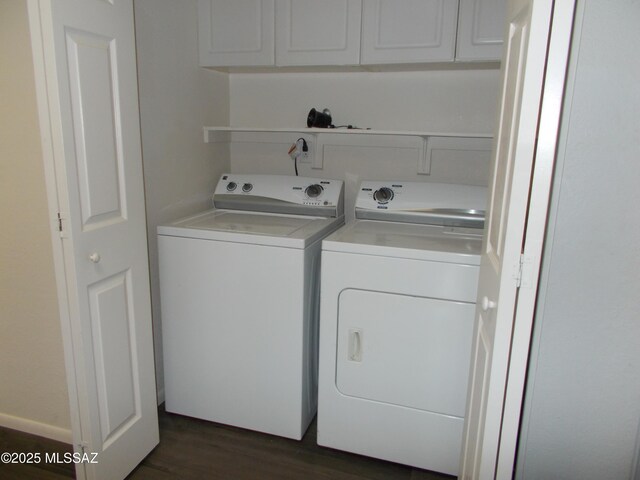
(94, 257)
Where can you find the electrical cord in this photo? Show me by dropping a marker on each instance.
(305, 148)
(297, 149)
(349, 127)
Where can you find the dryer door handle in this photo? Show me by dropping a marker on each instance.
(355, 345)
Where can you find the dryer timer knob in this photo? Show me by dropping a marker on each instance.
(383, 195)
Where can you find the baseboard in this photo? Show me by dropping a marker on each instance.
(36, 428)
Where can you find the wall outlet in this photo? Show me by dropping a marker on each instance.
(307, 157)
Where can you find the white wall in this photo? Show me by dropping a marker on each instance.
(453, 100)
(33, 386)
(582, 405)
(456, 99)
(177, 98)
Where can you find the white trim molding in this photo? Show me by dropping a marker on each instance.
(36, 428)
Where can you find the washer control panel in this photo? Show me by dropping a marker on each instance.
(269, 190)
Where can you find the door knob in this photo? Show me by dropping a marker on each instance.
(94, 257)
(487, 304)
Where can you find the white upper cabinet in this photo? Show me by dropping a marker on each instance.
(348, 32)
(481, 27)
(312, 32)
(409, 31)
(236, 33)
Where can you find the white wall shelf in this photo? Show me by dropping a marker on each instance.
(223, 134)
(425, 144)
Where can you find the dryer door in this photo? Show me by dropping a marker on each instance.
(404, 350)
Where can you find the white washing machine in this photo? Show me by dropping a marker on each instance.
(397, 307)
(239, 297)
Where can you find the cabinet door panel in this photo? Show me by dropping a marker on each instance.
(309, 32)
(480, 29)
(238, 33)
(408, 31)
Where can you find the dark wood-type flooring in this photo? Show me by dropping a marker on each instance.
(196, 449)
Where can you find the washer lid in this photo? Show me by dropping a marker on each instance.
(407, 240)
(293, 231)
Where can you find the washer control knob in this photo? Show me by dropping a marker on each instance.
(383, 195)
(313, 191)
(231, 186)
(247, 187)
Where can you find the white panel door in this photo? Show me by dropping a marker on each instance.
(524, 65)
(408, 31)
(91, 105)
(309, 32)
(237, 33)
(481, 29)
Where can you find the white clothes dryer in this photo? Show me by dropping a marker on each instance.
(239, 298)
(398, 294)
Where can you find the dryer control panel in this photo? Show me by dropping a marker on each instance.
(280, 194)
(422, 202)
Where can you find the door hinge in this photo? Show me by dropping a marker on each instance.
(82, 446)
(524, 271)
(59, 219)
